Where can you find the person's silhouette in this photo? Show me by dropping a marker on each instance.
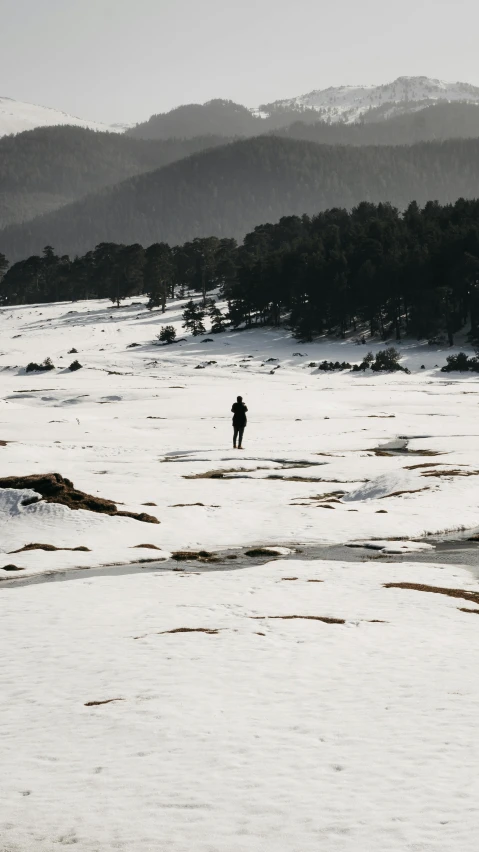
(239, 410)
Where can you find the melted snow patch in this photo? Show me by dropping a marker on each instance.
(394, 546)
(385, 485)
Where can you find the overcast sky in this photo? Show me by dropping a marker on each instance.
(122, 60)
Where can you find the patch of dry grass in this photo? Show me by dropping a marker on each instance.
(194, 555)
(325, 618)
(48, 547)
(473, 597)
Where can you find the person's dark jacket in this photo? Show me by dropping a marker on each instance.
(239, 410)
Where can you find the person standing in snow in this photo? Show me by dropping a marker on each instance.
(239, 410)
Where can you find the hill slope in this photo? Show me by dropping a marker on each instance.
(228, 190)
(220, 117)
(16, 116)
(43, 169)
(349, 103)
(436, 122)
(334, 106)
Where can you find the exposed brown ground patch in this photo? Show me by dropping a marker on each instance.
(289, 578)
(322, 499)
(453, 472)
(217, 474)
(473, 597)
(464, 609)
(404, 452)
(146, 546)
(97, 703)
(209, 630)
(301, 478)
(49, 547)
(326, 619)
(423, 464)
(331, 455)
(196, 555)
(54, 488)
(404, 491)
(13, 568)
(144, 561)
(185, 505)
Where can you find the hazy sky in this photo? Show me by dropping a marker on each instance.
(122, 60)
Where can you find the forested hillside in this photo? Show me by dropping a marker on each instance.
(437, 122)
(226, 191)
(42, 169)
(372, 270)
(220, 117)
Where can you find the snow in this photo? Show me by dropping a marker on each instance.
(271, 734)
(141, 425)
(16, 116)
(274, 734)
(348, 103)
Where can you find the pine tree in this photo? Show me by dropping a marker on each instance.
(3, 265)
(158, 274)
(193, 317)
(218, 322)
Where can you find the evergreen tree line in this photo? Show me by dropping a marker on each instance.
(372, 269)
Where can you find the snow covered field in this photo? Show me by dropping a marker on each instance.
(351, 730)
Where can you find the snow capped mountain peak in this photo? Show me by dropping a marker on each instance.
(350, 103)
(16, 116)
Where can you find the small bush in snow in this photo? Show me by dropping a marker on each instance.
(40, 368)
(365, 363)
(73, 351)
(75, 365)
(387, 361)
(329, 366)
(461, 363)
(167, 334)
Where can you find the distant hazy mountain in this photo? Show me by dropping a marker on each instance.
(220, 117)
(228, 190)
(352, 103)
(338, 105)
(436, 122)
(16, 116)
(43, 169)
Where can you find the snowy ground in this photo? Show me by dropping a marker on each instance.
(355, 736)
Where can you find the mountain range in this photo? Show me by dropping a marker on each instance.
(221, 168)
(352, 103)
(340, 104)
